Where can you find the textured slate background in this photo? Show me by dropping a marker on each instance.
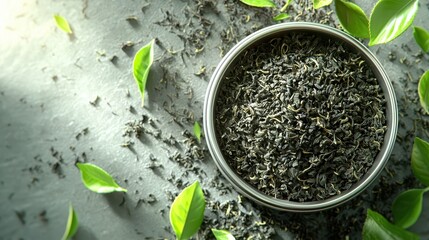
(48, 79)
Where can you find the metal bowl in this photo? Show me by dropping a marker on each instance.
(264, 35)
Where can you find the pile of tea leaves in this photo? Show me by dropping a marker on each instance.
(300, 117)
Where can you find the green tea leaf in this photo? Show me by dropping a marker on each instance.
(390, 18)
(141, 66)
(352, 18)
(98, 180)
(407, 207)
(423, 90)
(259, 3)
(321, 3)
(72, 224)
(377, 227)
(62, 24)
(420, 160)
(187, 211)
(222, 234)
(281, 16)
(422, 38)
(197, 131)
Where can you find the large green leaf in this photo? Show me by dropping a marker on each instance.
(423, 90)
(62, 24)
(321, 3)
(259, 3)
(407, 207)
(72, 224)
(222, 234)
(98, 180)
(390, 18)
(420, 160)
(376, 227)
(352, 18)
(187, 211)
(141, 66)
(422, 38)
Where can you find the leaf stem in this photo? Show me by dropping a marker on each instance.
(285, 6)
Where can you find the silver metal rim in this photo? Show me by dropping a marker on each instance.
(250, 192)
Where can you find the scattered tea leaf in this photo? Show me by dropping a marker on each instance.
(222, 234)
(197, 131)
(321, 3)
(259, 3)
(141, 66)
(390, 18)
(407, 207)
(98, 180)
(352, 18)
(281, 16)
(420, 160)
(72, 224)
(62, 24)
(187, 211)
(421, 36)
(377, 227)
(285, 5)
(423, 90)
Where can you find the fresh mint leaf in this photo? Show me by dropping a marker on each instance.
(321, 3)
(72, 224)
(62, 24)
(281, 16)
(352, 18)
(421, 36)
(259, 3)
(222, 234)
(407, 207)
(423, 90)
(420, 160)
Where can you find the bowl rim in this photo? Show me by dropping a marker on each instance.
(280, 204)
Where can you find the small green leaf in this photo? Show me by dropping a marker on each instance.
(420, 160)
(259, 3)
(187, 211)
(222, 234)
(407, 207)
(377, 227)
(422, 38)
(281, 16)
(98, 180)
(141, 66)
(62, 24)
(423, 90)
(197, 131)
(72, 224)
(321, 3)
(352, 18)
(390, 18)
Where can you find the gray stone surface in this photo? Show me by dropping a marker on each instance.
(48, 79)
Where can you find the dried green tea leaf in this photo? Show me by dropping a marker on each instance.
(72, 224)
(197, 131)
(141, 66)
(423, 90)
(422, 38)
(62, 24)
(187, 211)
(98, 180)
(281, 16)
(259, 3)
(420, 160)
(377, 227)
(321, 3)
(407, 207)
(390, 18)
(222, 234)
(285, 5)
(352, 18)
